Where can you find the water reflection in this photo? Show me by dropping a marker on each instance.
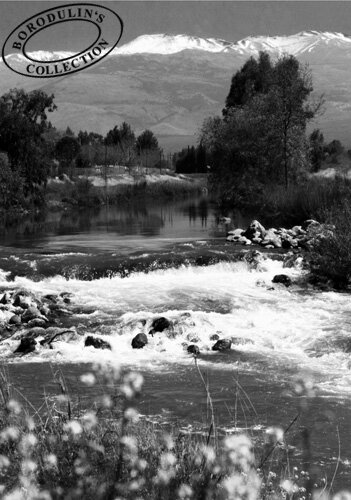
(197, 211)
(191, 218)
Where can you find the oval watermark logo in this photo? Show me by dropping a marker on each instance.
(109, 31)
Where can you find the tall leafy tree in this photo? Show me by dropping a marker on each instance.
(146, 140)
(23, 121)
(262, 135)
(316, 149)
(254, 77)
(67, 149)
(122, 138)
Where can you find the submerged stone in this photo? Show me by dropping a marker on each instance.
(160, 324)
(283, 279)
(96, 342)
(26, 346)
(139, 341)
(15, 320)
(193, 349)
(5, 299)
(222, 345)
(36, 322)
(215, 336)
(31, 313)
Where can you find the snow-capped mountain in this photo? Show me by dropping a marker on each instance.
(41, 55)
(171, 83)
(305, 41)
(165, 44)
(170, 44)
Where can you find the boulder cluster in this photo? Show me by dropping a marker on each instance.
(303, 236)
(162, 324)
(158, 325)
(34, 321)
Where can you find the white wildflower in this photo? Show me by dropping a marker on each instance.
(4, 462)
(242, 486)
(184, 491)
(168, 460)
(30, 423)
(28, 442)
(50, 460)
(288, 486)
(131, 415)
(9, 434)
(130, 445)
(275, 435)
(88, 379)
(106, 401)
(89, 420)
(28, 467)
(132, 384)
(136, 484)
(239, 450)
(342, 495)
(74, 427)
(14, 407)
(164, 477)
(208, 454)
(168, 441)
(141, 464)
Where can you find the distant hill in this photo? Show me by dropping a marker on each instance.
(170, 83)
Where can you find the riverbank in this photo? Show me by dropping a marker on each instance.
(123, 188)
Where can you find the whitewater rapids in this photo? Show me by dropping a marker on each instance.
(278, 332)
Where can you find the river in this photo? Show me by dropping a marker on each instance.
(126, 266)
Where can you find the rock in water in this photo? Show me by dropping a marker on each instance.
(160, 324)
(282, 278)
(15, 320)
(36, 322)
(31, 313)
(215, 336)
(222, 345)
(139, 341)
(272, 238)
(254, 258)
(96, 342)
(193, 349)
(24, 299)
(5, 299)
(255, 230)
(26, 346)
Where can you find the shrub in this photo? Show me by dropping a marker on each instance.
(312, 199)
(331, 256)
(11, 185)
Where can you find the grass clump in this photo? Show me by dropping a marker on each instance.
(108, 453)
(310, 200)
(82, 193)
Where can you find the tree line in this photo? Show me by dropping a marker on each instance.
(31, 147)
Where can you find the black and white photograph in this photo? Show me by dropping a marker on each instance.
(175, 250)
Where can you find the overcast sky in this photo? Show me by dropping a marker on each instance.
(229, 20)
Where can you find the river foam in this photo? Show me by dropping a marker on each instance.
(278, 332)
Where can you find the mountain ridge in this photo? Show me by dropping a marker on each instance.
(167, 44)
(172, 93)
